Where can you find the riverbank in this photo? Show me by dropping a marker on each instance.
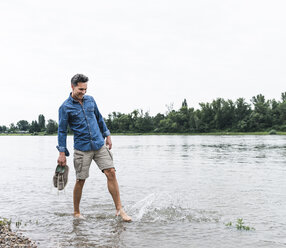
(202, 134)
(13, 239)
(132, 134)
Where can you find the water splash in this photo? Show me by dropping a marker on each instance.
(142, 207)
(166, 207)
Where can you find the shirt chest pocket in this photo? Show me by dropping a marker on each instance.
(90, 111)
(76, 114)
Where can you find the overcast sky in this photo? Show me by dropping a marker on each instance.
(138, 54)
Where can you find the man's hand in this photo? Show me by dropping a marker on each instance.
(108, 142)
(62, 159)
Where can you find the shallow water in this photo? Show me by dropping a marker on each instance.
(180, 191)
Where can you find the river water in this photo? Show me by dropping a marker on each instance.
(181, 191)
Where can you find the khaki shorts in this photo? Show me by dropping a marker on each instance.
(82, 160)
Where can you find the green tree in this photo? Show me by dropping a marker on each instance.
(42, 122)
(3, 129)
(216, 107)
(167, 126)
(206, 117)
(196, 121)
(114, 127)
(34, 127)
(282, 115)
(156, 122)
(144, 123)
(12, 128)
(223, 114)
(283, 96)
(184, 103)
(261, 115)
(108, 122)
(242, 114)
(123, 123)
(275, 114)
(192, 121)
(182, 117)
(282, 112)
(23, 125)
(133, 118)
(219, 115)
(52, 127)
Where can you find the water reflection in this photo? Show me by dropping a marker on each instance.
(88, 233)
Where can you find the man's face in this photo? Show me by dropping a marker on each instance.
(79, 91)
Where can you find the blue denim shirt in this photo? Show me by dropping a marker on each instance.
(85, 121)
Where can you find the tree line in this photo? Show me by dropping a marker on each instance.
(220, 115)
(34, 127)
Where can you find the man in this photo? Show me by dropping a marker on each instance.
(80, 112)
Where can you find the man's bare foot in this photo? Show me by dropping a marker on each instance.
(78, 216)
(123, 215)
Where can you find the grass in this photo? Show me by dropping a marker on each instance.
(132, 134)
(28, 134)
(240, 225)
(203, 134)
(6, 222)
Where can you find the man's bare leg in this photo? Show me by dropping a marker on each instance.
(77, 192)
(114, 191)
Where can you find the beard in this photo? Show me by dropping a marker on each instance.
(78, 96)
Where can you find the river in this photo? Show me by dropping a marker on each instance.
(181, 191)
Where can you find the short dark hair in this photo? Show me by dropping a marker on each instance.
(79, 78)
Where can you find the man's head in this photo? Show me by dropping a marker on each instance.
(79, 78)
(79, 86)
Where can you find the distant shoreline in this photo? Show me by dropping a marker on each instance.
(158, 134)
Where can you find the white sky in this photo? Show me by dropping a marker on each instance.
(138, 54)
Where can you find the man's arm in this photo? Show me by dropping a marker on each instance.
(108, 142)
(62, 136)
(62, 160)
(103, 128)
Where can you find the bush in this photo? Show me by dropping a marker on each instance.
(272, 132)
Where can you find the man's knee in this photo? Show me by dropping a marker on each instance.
(80, 182)
(110, 173)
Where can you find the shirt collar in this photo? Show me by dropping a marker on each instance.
(73, 100)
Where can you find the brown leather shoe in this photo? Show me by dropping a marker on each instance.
(60, 178)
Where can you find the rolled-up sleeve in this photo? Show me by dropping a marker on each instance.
(62, 131)
(103, 128)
